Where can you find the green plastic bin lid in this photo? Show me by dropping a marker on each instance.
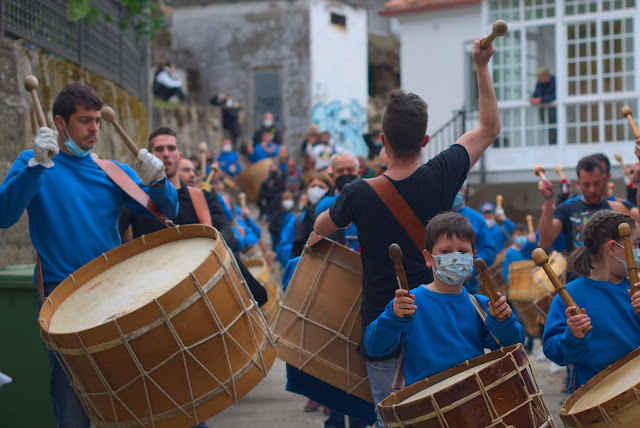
(17, 276)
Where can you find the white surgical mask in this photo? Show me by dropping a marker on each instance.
(267, 122)
(315, 194)
(636, 256)
(73, 147)
(453, 268)
(490, 222)
(226, 148)
(287, 204)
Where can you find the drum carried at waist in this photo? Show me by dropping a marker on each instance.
(318, 325)
(527, 281)
(161, 331)
(608, 400)
(493, 390)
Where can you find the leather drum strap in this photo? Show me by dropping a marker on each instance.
(399, 208)
(126, 183)
(200, 206)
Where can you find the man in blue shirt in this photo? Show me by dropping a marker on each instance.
(74, 207)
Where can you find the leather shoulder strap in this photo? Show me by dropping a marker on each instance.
(399, 208)
(200, 206)
(126, 183)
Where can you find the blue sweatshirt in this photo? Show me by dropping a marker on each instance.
(615, 333)
(498, 236)
(229, 162)
(284, 248)
(73, 209)
(259, 153)
(445, 331)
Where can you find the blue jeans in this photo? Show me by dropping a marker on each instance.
(336, 420)
(381, 375)
(66, 404)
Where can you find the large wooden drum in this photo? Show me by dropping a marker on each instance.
(161, 331)
(317, 327)
(251, 178)
(260, 271)
(494, 390)
(611, 399)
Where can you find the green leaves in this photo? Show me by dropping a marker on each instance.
(79, 9)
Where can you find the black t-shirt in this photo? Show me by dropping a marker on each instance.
(574, 214)
(430, 190)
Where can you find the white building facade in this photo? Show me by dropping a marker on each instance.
(588, 45)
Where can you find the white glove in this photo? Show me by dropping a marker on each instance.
(45, 147)
(500, 212)
(150, 168)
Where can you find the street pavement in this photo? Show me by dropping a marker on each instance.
(268, 405)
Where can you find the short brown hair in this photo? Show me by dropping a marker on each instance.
(73, 96)
(164, 130)
(449, 223)
(404, 123)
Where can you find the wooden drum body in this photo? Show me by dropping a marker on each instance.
(611, 399)
(261, 272)
(317, 327)
(251, 178)
(494, 390)
(161, 331)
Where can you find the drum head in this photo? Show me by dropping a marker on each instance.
(130, 284)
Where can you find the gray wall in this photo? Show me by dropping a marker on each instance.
(232, 41)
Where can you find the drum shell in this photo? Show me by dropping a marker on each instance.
(318, 324)
(528, 316)
(251, 178)
(260, 270)
(517, 399)
(109, 357)
(620, 411)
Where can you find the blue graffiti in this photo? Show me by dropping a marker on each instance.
(345, 122)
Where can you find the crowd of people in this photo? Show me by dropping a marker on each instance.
(333, 193)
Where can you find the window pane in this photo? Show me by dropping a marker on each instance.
(618, 67)
(507, 67)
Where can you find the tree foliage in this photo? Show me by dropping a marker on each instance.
(145, 13)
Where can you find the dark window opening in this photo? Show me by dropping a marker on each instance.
(338, 19)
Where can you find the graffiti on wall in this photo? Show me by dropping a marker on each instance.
(346, 122)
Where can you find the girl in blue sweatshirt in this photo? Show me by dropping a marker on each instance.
(604, 294)
(437, 324)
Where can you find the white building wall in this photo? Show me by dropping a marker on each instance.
(339, 73)
(432, 57)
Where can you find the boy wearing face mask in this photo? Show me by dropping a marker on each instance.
(409, 319)
(500, 227)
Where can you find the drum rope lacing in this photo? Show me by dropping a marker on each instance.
(496, 420)
(302, 314)
(259, 362)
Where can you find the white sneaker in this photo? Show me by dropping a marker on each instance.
(540, 356)
(554, 368)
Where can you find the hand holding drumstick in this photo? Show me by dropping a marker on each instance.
(403, 305)
(45, 144)
(498, 306)
(577, 320)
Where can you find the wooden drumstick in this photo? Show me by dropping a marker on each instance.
(109, 115)
(498, 29)
(541, 259)
(539, 171)
(618, 157)
(530, 223)
(626, 112)
(31, 85)
(214, 169)
(203, 158)
(560, 173)
(395, 254)
(498, 202)
(243, 200)
(481, 268)
(625, 230)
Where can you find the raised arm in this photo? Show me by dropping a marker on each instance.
(479, 139)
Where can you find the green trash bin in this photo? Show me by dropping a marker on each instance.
(26, 401)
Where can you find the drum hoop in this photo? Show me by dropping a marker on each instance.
(618, 402)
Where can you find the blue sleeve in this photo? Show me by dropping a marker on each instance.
(508, 226)
(485, 246)
(384, 335)
(240, 244)
(288, 272)
(558, 344)
(164, 195)
(324, 204)
(508, 332)
(18, 188)
(253, 226)
(285, 246)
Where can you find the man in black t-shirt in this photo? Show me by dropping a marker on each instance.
(428, 190)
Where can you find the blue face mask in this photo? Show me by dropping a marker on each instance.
(457, 202)
(636, 256)
(73, 147)
(521, 240)
(453, 268)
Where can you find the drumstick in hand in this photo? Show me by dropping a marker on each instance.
(203, 159)
(498, 29)
(498, 202)
(109, 115)
(539, 171)
(624, 230)
(626, 112)
(31, 85)
(618, 157)
(529, 223)
(243, 200)
(540, 258)
(481, 268)
(560, 173)
(395, 254)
